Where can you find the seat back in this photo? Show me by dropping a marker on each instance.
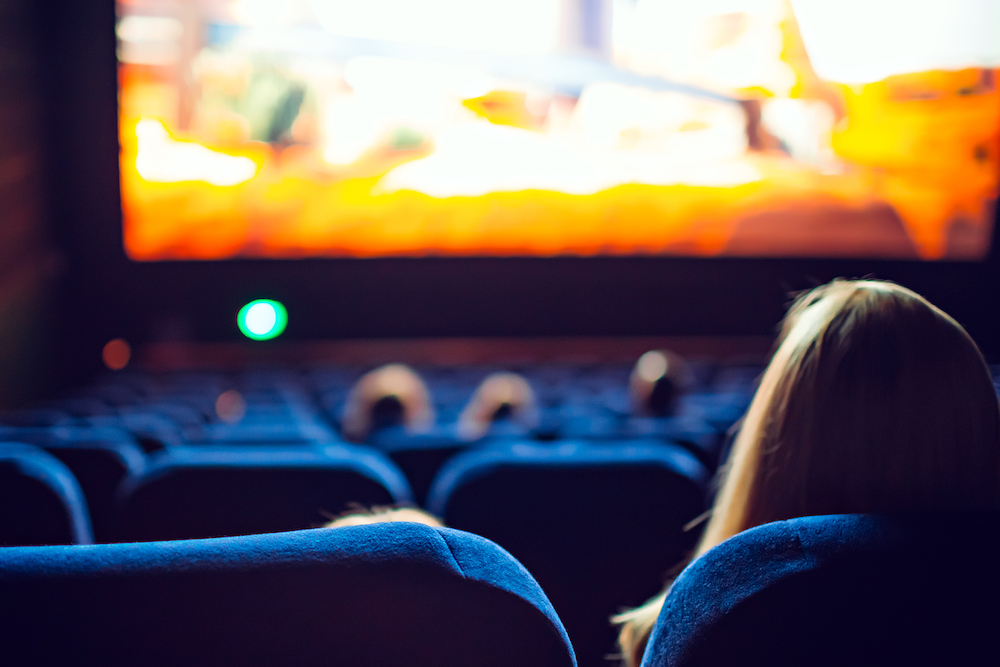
(839, 590)
(99, 457)
(386, 594)
(192, 492)
(598, 526)
(40, 500)
(419, 455)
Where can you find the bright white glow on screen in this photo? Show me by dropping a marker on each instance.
(392, 92)
(164, 160)
(143, 28)
(265, 13)
(401, 78)
(149, 40)
(861, 41)
(512, 26)
(724, 44)
(521, 160)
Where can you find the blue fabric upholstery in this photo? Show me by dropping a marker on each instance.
(201, 491)
(40, 500)
(99, 457)
(389, 594)
(839, 590)
(598, 526)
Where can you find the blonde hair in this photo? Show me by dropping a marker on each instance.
(397, 381)
(495, 391)
(361, 516)
(874, 401)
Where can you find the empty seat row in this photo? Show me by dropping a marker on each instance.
(194, 492)
(158, 427)
(40, 499)
(103, 457)
(206, 492)
(99, 458)
(115, 449)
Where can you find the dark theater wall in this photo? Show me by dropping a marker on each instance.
(26, 259)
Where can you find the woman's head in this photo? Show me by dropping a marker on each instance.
(875, 401)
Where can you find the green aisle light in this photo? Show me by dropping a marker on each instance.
(262, 319)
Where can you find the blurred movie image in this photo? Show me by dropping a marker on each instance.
(766, 128)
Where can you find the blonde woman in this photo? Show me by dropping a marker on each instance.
(875, 401)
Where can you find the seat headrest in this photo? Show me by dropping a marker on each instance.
(568, 456)
(202, 491)
(836, 590)
(40, 499)
(381, 594)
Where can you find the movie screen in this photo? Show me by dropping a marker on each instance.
(765, 128)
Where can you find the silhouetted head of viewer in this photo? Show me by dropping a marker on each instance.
(500, 396)
(874, 401)
(391, 395)
(658, 380)
(394, 395)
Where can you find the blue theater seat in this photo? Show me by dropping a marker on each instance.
(40, 500)
(598, 526)
(99, 457)
(34, 417)
(202, 491)
(839, 590)
(388, 594)
(419, 456)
